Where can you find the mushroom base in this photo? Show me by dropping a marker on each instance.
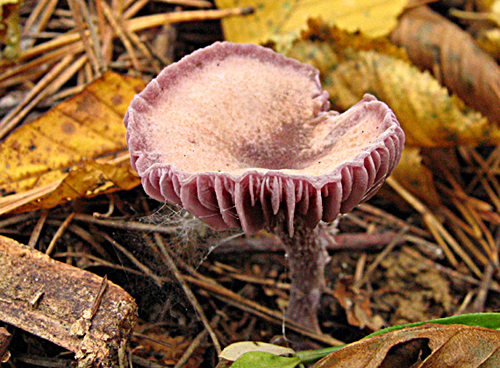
(307, 258)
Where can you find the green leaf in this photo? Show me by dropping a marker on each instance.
(259, 359)
(486, 320)
(234, 351)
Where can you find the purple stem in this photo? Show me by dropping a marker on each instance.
(307, 258)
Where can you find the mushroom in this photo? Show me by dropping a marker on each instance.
(241, 136)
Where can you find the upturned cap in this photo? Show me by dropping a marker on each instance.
(235, 133)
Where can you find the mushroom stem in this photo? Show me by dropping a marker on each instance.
(307, 258)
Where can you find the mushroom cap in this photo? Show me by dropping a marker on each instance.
(234, 133)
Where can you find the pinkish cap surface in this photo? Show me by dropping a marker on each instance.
(236, 132)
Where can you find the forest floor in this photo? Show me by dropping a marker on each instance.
(386, 266)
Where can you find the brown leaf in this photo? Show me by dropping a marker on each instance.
(436, 345)
(436, 44)
(75, 309)
(357, 306)
(75, 150)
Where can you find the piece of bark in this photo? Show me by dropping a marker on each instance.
(70, 307)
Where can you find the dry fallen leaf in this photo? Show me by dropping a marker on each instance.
(77, 149)
(415, 176)
(357, 306)
(429, 116)
(436, 44)
(436, 345)
(278, 17)
(70, 307)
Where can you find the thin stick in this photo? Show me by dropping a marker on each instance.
(193, 3)
(59, 233)
(360, 266)
(470, 246)
(490, 242)
(118, 29)
(47, 58)
(441, 235)
(10, 120)
(149, 21)
(65, 76)
(65, 39)
(478, 305)
(85, 34)
(68, 92)
(89, 238)
(38, 20)
(491, 193)
(465, 303)
(485, 169)
(392, 220)
(54, 85)
(127, 224)
(35, 234)
(135, 261)
(106, 32)
(194, 344)
(454, 218)
(100, 294)
(134, 25)
(382, 255)
(134, 8)
(187, 290)
(33, 17)
(99, 262)
(467, 215)
(16, 219)
(94, 36)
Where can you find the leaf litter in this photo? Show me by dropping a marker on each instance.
(244, 297)
(75, 150)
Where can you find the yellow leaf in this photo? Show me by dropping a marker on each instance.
(416, 177)
(77, 149)
(372, 17)
(429, 116)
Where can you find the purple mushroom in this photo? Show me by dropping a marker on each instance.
(241, 136)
